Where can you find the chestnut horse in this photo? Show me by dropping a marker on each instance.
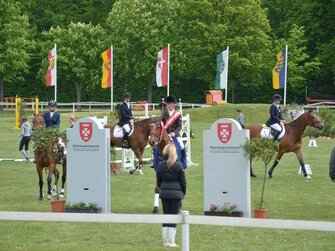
(137, 141)
(48, 158)
(291, 141)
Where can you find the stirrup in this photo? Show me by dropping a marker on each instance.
(124, 143)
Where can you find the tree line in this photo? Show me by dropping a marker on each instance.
(254, 30)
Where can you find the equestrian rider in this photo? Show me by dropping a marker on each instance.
(172, 121)
(126, 118)
(52, 119)
(276, 120)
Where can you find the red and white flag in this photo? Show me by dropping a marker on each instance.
(162, 67)
(51, 74)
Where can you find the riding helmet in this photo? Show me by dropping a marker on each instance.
(126, 95)
(276, 96)
(170, 99)
(52, 103)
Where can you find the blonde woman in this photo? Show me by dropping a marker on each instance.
(172, 183)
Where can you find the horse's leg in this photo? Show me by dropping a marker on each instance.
(40, 180)
(49, 179)
(156, 201)
(63, 179)
(275, 163)
(302, 164)
(138, 155)
(251, 171)
(55, 189)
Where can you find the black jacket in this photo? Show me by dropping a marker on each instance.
(332, 165)
(126, 114)
(176, 125)
(275, 115)
(171, 181)
(51, 121)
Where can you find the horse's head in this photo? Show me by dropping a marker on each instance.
(38, 121)
(156, 129)
(312, 120)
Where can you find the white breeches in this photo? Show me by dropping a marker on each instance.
(277, 127)
(126, 127)
(181, 143)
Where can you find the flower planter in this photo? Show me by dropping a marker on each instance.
(233, 214)
(82, 210)
(57, 206)
(260, 213)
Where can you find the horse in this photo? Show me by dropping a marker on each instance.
(137, 141)
(291, 141)
(48, 158)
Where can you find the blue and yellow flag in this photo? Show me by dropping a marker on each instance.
(278, 72)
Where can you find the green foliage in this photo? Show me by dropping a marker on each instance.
(47, 137)
(327, 116)
(83, 205)
(263, 149)
(22, 107)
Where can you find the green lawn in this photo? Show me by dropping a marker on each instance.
(288, 196)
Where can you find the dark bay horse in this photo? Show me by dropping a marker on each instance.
(137, 141)
(291, 141)
(48, 158)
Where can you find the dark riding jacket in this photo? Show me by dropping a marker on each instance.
(51, 121)
(332, 165)
(126, 114)
(175, 127)
(275, 115)
(171, 181)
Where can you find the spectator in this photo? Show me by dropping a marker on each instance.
(26, 135)
(332, 165)
(240, 118)
(70, 120)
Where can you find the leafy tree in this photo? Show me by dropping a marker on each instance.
(15, 43)
(79, 47)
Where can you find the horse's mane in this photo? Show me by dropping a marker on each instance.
(148, 120)
(296, 120)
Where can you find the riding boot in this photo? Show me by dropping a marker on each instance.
(165, 235)
(124, 140)
(172, 237)
(24, 154)
(27, 156)
(183, 154)
(276, 135)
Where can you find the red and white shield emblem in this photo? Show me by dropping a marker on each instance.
(85, 130)
(224, 132)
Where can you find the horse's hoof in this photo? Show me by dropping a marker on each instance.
(131, 171)
(49, 197)
(155, 210)
(40, 198)
(54, 194)
(140, 172)
(308, 177)
(61, 195)
(270, 175)
(253, 175)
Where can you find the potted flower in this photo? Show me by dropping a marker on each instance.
(226, 210)
(263, 149)
(82, 207)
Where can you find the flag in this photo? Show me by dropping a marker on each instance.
(162, 67)
(51, 74)
(107, 71)
(278, 72)
(221, 79)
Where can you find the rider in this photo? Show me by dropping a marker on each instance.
(126, 118)
(276, 120)
(172, 121)
(52, 119)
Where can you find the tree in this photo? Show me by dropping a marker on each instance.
(15, 43)
(79, 47)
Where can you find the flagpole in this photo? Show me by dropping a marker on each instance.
(56, 57)
(168, 80)
(285, 78)
(226, 91)
(111, 72)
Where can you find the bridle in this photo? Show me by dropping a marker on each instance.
(157, 138)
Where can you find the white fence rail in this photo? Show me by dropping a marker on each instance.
(185, 219)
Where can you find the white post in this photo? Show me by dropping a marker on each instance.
(285, 79)
(73, 107)
(188, 148)
(112, 78)
(185, 231)
(56, 59)
(180, 106)
(168, 80)
(226, 91)
(146, 110)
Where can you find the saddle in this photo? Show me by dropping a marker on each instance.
(267, 132)
(118, 131)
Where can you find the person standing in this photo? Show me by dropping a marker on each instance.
(171, 181)
(276, 120)
(240, 118)
(126, 118)
(332, 165)
(26, 136)
(70, 120)
(52, 117)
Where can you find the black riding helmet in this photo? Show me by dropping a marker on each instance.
(52, 103)
(126, 95)
(276, 96)
(170, 99)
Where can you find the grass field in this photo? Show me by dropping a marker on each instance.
(287, 196)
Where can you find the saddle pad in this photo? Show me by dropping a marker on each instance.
(266, 133)
(118, 131)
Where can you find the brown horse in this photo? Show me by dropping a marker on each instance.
(48, 158)
(291, 141)
(137, 141)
